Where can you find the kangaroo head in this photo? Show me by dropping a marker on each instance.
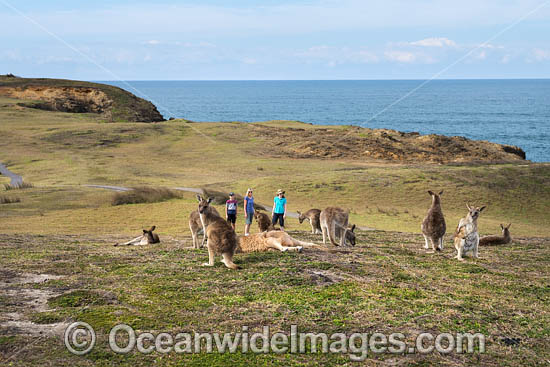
(301, 217)
(474, 212)
(435, 197)
(505, 229)
(350, 235)
(203, 203)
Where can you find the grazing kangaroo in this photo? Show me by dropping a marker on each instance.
(312, 215)
(334, 223)
(221, 238)
(497, 240)
(264, 223)
(433, 226)
(196, 223)
(147, 238)
(277, 240)
(466, 237)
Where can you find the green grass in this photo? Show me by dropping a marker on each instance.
(387, 283)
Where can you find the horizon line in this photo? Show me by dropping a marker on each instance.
(300, 80)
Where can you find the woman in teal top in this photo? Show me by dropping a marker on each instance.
(279, 209)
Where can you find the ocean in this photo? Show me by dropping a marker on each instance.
(515, 112)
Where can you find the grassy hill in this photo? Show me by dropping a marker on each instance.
(61, 152)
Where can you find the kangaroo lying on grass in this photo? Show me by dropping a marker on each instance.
(277, 240)
(497, 240)
(196, 224)
(334, 223)
(221, 238)
(312, 215)
(147, 238)
(466, 237)
(433, 226)
(264, 223)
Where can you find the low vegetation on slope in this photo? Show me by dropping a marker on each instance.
(140, 195)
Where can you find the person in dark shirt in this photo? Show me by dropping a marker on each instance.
(231, 210)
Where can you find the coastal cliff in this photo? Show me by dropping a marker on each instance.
(115, 104)
(300, 140)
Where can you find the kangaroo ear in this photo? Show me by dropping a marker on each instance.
(508, 226)
(199, 198)
(152, 228)
(210, 200)
(144, 231)
(353, 228)
(431, 192)
(441, 193)
(501, 226)
(468, 206)
(481, 209)
(297, 211)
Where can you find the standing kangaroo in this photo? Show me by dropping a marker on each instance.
(312, 215)
(147, 238)
(466, 237)
(196, 224)
(497, 240)
(221, 238)
(433, 226)
(334, 223)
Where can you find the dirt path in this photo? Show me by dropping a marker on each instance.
(106, 187)
(16, 180)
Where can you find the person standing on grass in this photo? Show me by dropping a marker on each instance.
(231, 210)
(248, 211)
(279, 209)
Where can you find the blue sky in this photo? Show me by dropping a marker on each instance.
(245, 39)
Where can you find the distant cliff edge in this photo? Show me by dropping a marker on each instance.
(114, 103)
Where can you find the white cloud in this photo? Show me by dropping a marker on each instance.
(490, 46)
(540, 55)
(409, 57)
(435, 42)
(152, 42)
(400, 56)
(333, 56)
(249, 60)
(480, 55)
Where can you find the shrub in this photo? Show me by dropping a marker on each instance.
(18, 186)
(6, 200)
(144, 195)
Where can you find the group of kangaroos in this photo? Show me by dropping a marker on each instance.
(331, 222)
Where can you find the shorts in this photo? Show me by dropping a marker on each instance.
(278, 217)
(249, 218)
(232, 217)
